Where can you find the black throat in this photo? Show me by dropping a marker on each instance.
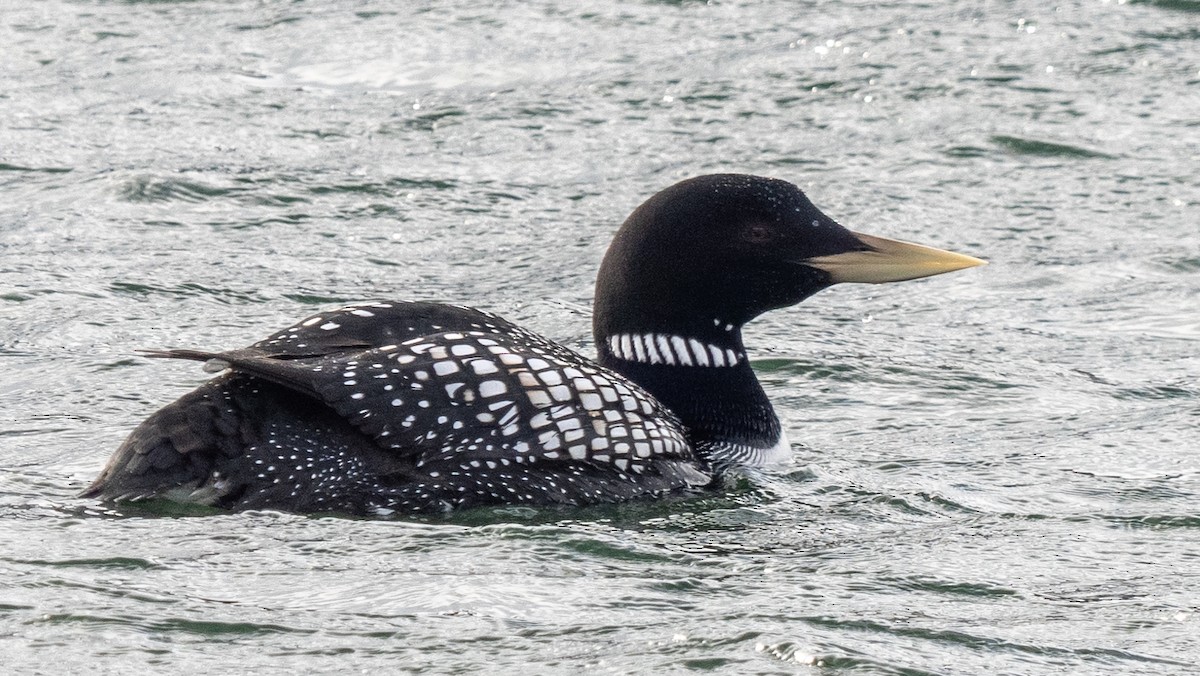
(703, 377)
(684, 273)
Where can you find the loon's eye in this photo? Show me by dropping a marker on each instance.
(758, 233)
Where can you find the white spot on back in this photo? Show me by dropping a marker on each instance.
(492, 388)
(591, 401)
(484, 367)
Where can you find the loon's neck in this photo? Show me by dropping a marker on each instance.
(703, 376)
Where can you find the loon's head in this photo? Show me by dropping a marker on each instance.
(706, 255)
(700, 259)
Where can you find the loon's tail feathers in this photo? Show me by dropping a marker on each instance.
(213, 362)
(270, 365)
(240, 442)
(173, 452)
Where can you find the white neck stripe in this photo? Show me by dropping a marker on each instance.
(699, 350)
(681, 350)
(664, 348)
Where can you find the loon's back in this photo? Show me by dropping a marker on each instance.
(403, 407)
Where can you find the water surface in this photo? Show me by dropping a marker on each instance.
(995, 471)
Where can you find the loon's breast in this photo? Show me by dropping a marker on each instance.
(724, 454)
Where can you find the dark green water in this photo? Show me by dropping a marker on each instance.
(995, 471)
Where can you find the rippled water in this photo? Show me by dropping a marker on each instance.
(996, 471)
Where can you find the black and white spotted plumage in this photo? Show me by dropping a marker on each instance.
(401, 407)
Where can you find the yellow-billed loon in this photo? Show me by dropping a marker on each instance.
(402, 407)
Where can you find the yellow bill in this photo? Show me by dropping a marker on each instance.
(890, 260)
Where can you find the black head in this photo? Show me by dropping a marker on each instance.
(703, 257)
(723, 247)
(729, 247)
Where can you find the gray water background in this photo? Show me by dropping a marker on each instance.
(995, 471)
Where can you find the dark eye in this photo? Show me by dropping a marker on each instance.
(758, 234)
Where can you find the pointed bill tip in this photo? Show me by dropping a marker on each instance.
(890, 260)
